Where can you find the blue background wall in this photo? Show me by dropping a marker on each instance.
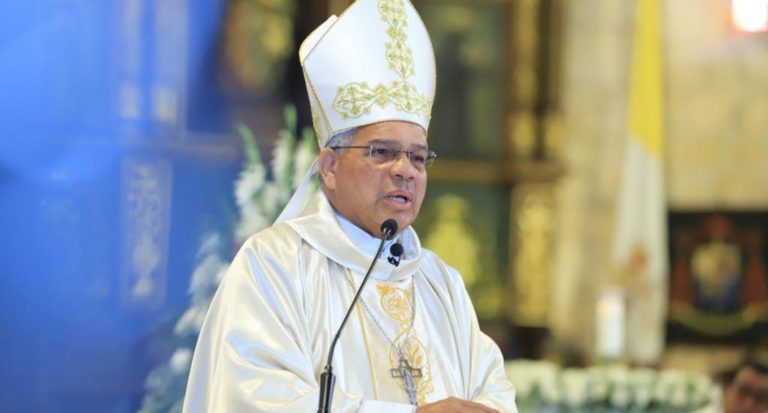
(115, 158)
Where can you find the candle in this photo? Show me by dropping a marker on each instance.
(610, 324)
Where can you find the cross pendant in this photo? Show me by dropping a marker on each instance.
(407, 373)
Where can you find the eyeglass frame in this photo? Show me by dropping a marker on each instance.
(428, 161)
(744, 390)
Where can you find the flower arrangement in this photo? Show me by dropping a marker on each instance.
(260, 194)
(544, 387)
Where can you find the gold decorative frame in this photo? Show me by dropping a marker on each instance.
(530, 166)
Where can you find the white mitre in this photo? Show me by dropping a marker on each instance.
(374, 63)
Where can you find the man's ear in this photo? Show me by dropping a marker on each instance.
(327, 160)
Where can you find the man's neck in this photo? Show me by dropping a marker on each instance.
(360, 237)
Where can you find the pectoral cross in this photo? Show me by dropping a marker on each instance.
(407, 373)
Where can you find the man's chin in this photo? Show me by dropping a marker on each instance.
(403, 222)
(376, 231)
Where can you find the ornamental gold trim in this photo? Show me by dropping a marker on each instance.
(396, 303)
(533, 207)
(398, 54)
(414, 351)
(356, 99)
(717, 324)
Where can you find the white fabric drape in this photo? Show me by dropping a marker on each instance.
(266, 338)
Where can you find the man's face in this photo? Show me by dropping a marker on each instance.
(748, 393)
(368, 192)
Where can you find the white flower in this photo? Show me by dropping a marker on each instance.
(205, 277)
(251, 221)
(598, 384)
(701, 393)
(523, 389)
(679, 397)
(191, 321)
(623, 388)
(670, 384)
(641, 382)
(618, 380)
(550, 392)
(210, 244)
(528, 375)
(248, 185)
(220, 274)
(575, 383)
(305, 155)
(642, 397)
(181, 360)
(271, 198)
(620, 396)
(282, 157)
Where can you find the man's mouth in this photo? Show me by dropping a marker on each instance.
(400, 199)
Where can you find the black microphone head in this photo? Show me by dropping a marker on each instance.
(389, 228)
(396, 249)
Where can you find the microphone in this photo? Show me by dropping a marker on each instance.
(397, 251)
(327, 379)
(388, 229)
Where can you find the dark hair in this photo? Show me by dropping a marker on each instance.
(755, 364)
(727, 376)
(343, 138)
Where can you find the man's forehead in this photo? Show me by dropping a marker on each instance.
(752, 376)
(392, 130)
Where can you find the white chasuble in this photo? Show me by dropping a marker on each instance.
(266, 337)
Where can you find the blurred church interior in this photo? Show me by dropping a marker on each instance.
(601, 182)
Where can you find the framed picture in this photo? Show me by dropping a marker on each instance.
(469, 38)
(466, 225)
(495, 104)
(718, 282)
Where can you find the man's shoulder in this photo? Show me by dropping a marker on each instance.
(434, 265)
(275, 236)
(275, 249)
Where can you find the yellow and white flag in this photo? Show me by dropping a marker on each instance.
(640, 249)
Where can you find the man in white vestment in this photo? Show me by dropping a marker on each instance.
(412, 342)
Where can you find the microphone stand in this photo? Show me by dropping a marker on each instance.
(327, 378)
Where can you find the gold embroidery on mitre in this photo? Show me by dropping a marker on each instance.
(356, 99)
(315, 121)
(398, 54)
(396, 302)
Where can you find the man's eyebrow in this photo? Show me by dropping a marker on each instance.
(384, 141)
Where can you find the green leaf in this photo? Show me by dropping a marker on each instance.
(290, 117)
(252, 154)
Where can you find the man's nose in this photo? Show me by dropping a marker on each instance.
(748, 405)
(402, 166)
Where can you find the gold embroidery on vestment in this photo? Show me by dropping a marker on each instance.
(396, 303)
(356, 99)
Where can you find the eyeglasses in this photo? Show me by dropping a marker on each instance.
(744, 391)
(419, 158)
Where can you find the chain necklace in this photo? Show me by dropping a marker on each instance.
(403, 371)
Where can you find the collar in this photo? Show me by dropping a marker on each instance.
(342, 241)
